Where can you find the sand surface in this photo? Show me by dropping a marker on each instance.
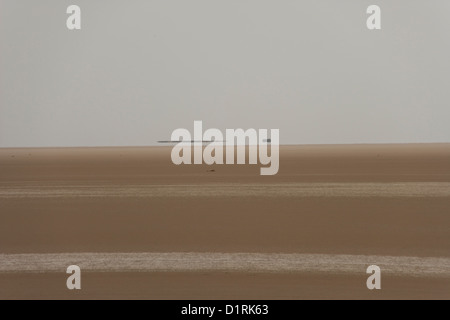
(141, 227)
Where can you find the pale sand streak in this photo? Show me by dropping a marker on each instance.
(224, 262)
(398, 189)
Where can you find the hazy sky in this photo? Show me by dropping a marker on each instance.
(139, 69)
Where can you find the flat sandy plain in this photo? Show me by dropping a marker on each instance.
(141, 227)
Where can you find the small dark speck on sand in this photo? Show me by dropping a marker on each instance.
(211, 170)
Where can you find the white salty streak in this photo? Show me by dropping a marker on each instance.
(224, 262)
(394, 189)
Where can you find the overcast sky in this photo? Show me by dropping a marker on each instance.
(139, 69)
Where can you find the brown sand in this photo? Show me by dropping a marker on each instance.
(417, 226)
(161, 286)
